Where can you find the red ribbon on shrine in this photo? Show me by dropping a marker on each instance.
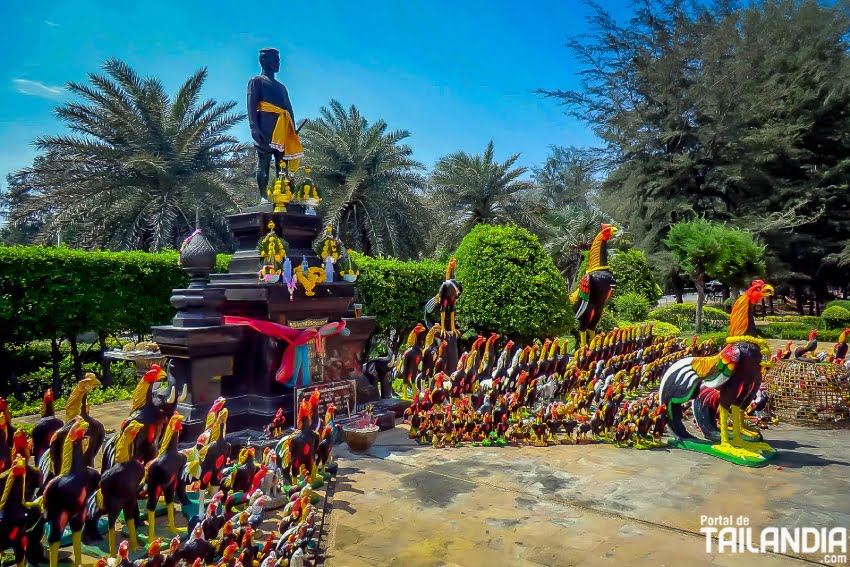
(295, 338)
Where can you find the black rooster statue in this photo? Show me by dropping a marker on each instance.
(736, 373)
(595, 287)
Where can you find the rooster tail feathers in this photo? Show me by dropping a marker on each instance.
(94, 505)
(678, 385)
(432, 304)
(44, 464)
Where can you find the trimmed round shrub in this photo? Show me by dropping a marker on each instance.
(835, 317)
(631, 307)
(683, 315)
(631, 270)
(510, 285)
(662, 329)
(845, 303)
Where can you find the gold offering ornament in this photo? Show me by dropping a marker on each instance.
(272, 250)
(279, 194)
(329, 246)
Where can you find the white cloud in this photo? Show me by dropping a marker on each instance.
(51, 24)
(36, 88)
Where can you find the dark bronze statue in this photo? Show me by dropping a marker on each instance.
(271, 120)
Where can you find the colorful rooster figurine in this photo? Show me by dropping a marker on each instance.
(595, 288)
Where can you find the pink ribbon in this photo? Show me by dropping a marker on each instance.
(295, 338)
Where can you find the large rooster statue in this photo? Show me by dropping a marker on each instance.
(446, 300)
(595, 288)
(736, 374)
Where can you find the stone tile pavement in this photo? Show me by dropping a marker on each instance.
(414, 506)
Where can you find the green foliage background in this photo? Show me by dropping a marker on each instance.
(510, 285)
(836, 317)
(683, 316)
(395, 292)
(631, 306)
(631, 270)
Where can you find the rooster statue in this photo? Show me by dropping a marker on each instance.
(595, 288)
(65, 495)
(807, 353)
(446, 300)
(839, 351)
(46, 426)
(119, 488)
(736, 374)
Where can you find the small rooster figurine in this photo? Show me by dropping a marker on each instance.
(46, 426)
(65, 495)
(164, 475)
(839, 351)
(408, 366)
(446, 300)
(806, 353)
(119, 488)
(595, 288)
(77, 406)
(240, 476)
(299, 449)
(17, 514)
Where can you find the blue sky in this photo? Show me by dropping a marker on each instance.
(454, 74)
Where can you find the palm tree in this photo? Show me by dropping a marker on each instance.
(368, 181)
(566, 232)
(475, 189)
(136, 166)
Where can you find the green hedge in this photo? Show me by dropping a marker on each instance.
(510, 285)
(808, 320)
(395, 292)
(845, 303)
(57, 292)
(662, 329)
(683, 315)
(836, 317)
(797, 332)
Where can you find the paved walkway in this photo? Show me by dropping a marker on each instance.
(414, 506)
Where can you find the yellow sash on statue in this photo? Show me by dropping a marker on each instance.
(284, 138)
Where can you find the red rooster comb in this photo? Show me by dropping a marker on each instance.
(305, 411)
(20, 444)
(155, 374)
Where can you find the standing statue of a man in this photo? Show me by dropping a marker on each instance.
(272, 121)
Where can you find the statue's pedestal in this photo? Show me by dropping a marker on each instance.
(200, 358)
(240, 363)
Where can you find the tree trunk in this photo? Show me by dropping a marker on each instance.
(727, 293)
(811, 306)
(55, 359)
(105, 369)
(678, 290)
(798, 297)
(699, 283)
(770, 302)
(75, 355)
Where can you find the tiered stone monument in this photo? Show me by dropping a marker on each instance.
(239, 362)
(244, 362)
